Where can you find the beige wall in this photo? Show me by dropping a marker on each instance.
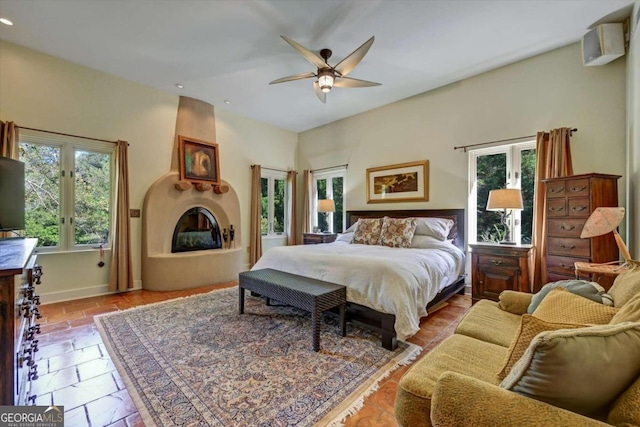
(41, 91)
(540, 93)
(633, 135)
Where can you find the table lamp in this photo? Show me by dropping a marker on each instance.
(326, 206)
(603, 221)
(501, 200)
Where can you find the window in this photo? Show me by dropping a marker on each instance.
(511, 166)
(274, 202)
(68, 190)
(330, 185)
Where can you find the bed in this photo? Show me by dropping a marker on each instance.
(388, 289)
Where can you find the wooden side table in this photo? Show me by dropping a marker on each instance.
(604, 274)
(496, 268)
(316, 238)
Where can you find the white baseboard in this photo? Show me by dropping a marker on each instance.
(90, 291)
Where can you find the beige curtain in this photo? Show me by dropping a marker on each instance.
(292, 232)
(121, 277)
(255, 238)
(307, 203)
(9, 140)
(553, 160)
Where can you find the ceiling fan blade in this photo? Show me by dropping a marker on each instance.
(309, 56)
(349, 82)
(292, 78)
(319, 93)
(347, 65)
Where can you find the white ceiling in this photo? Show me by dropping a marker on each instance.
(231, 49)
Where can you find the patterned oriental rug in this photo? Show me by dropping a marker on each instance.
(196, 362)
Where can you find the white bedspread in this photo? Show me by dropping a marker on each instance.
(391, 280)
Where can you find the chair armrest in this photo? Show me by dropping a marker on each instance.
(459, 400)
(515, 302)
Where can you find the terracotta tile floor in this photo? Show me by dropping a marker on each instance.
(75, 370)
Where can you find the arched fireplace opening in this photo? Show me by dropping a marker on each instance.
(197, 230)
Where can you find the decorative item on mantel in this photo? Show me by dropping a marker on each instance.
(183, 185)
(203, 186)
(198, 161)
(221, 189)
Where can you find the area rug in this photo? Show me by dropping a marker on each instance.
(196, 362)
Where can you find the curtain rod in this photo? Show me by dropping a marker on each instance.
(330, 167)
(273, 169)
(68, 134)
(464, 147)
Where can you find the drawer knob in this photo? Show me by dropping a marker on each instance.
(577, 189)
(496, 262)
(568, 247)
(567, 227)
(579, 208)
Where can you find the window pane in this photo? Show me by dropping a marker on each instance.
(337, 199)
(264, 205)
(528, 171)
(279, 188)
(321, 187)
(42, 192)
(491, 174)
(92, 197)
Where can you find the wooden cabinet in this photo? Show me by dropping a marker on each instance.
(497, 267)
(19, 302)
(315, 238)
(569, 202)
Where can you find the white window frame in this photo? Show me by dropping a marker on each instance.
(272, 175)
(512, 180)
(339, 172)
(68, 146)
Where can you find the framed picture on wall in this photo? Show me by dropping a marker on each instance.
(405, 182)
(198, 160)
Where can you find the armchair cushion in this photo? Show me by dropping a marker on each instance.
(582, 370)
(514, 302)
(561, 306)
(486, 322)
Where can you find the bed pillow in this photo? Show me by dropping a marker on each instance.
(425, 242)
(344, 237)
(561, 306)
(397, 232)
(367, 231)
(590, 290)
(435, 227)
(582, 370)
(351, 228)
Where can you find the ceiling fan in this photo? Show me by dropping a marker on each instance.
(328, 76)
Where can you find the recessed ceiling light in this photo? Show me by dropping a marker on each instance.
(5, 21)
(226, 101)
(179, 86)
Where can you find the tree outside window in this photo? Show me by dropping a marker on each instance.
(273, 202)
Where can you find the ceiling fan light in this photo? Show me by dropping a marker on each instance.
(325, 80)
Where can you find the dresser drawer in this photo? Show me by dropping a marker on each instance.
(556, 207)
(566, 227)
(569, 246)
(562, 265)
(497, 261)
(578, 207)
(577, 187)
(555, 189)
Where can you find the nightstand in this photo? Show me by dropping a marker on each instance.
(315, 238)
(496, 267)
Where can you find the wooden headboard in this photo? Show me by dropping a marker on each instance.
(457, 215)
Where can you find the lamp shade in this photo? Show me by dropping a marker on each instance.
(602, 221)
(506, 198)
(326, 205)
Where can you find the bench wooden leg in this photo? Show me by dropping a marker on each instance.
(241, 300)
(343, 319)
(315, 316)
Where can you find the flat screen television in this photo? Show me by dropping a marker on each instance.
(11, 194)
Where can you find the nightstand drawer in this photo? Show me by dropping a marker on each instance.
(568, 227)
(498, 261)
(316, 238)
(569, 246)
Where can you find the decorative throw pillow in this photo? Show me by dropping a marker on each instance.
(630, 312)
(529, 327)
(367, 231)
(582, 370)
(626, 285)
(397, 232)
(436, 227)
(561, 306)
(590, 290)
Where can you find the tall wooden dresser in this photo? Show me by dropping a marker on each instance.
(19, 302)
(569, 202)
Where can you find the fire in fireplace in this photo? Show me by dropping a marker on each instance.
(197, 230)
